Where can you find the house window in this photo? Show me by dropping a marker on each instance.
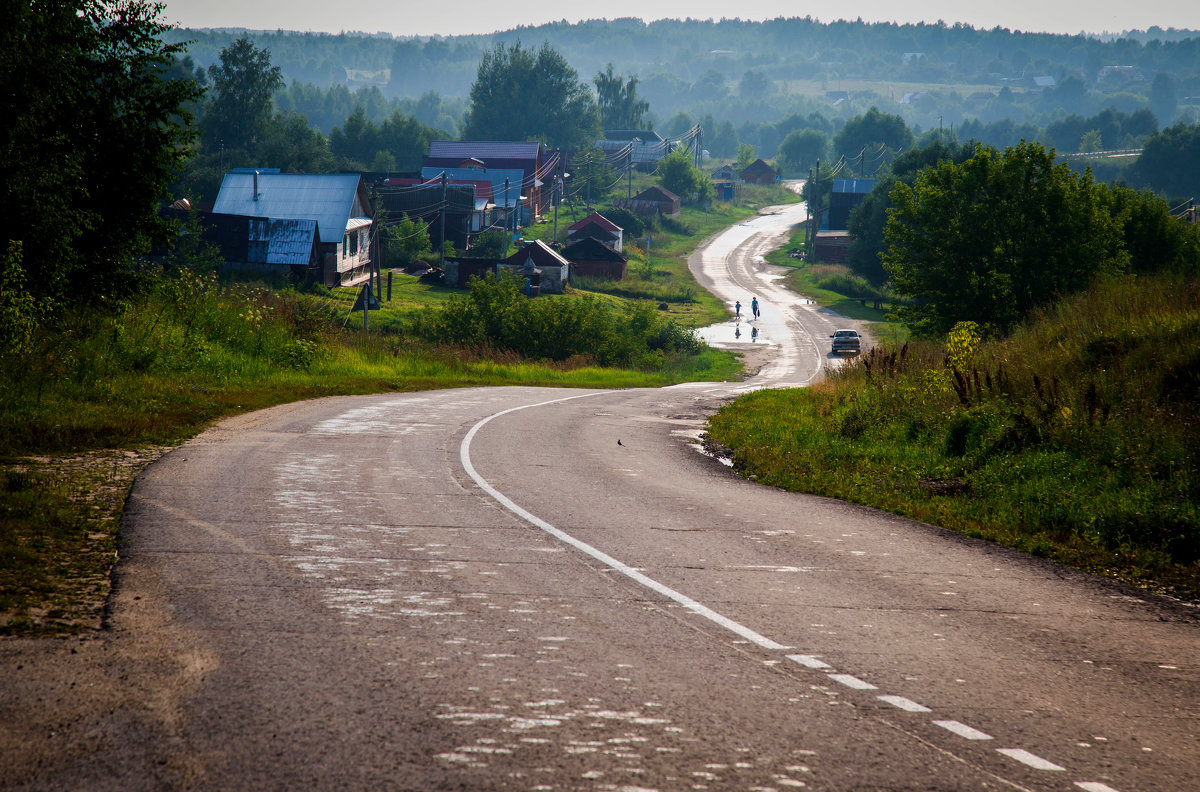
(352, 239)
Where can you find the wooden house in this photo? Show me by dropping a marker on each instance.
(642, 148)
(468, 205)
(540, 266)
(537, 168)
(759, 172)
(591, 258)
(599, 227)
(846, 194)
(654, 200)
(336, 203)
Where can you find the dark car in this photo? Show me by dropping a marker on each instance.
(846, 342)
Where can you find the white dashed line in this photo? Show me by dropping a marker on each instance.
(1033, 760)
(908, 705)
(808, 661)
(852, 682)
(963, 730)
(1094, 786)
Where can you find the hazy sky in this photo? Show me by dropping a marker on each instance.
(429, 17)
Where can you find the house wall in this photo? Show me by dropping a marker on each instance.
(553, 279)
(598, 269)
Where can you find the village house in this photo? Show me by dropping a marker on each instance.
(845, 195)
(262, 245)
(544, 270)
(468, 207)
(759, 172)
(643, 148)
(654, 200)
(535, 166)
(336, 204)
(591, 258)
(598, 227)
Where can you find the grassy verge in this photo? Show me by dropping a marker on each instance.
(1077, 439)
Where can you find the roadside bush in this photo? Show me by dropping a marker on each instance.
(495, 313)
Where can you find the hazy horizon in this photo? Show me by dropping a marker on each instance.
(474, 17)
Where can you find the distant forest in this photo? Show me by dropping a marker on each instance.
(755, 73)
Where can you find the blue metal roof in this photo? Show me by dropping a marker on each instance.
(483, 149)
(853, 186)
(326, 198)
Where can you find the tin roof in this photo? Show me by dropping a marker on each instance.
(290, 241)
(326, 198)
(595, 218)
(591, 249)
(483, 149)
(539, 253)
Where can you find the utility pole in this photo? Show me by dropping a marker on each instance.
(629, 165)
(556, 196)
(442, 240)
(507, 214)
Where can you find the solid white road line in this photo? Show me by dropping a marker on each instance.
(604, 558)
(1033, 760)
(963, 730)
(908, 705)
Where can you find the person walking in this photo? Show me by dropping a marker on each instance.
(737, 309)
(754, 307)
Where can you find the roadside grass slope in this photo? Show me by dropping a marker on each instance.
(1077, 438)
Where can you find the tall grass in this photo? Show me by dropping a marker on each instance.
(1077, 438)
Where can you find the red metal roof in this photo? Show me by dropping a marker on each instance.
(595, 218)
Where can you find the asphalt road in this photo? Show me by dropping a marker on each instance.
(536, 589)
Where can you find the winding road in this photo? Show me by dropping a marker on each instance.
(538, 589)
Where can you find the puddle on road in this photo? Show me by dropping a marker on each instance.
(733, 335)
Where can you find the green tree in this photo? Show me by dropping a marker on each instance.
(591, 177)
(745, 156)
(871, 129)
(619, 105)
(994, 237)
(723, 141)
(755, 85)
(1163, 100)
(242, 85)
(519, 94)
(677, 173)
(801, 149)
(1092, 140)
(93, 129)
(869, 218)
(1170, 162)
(407, 240)
(1154, 239)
